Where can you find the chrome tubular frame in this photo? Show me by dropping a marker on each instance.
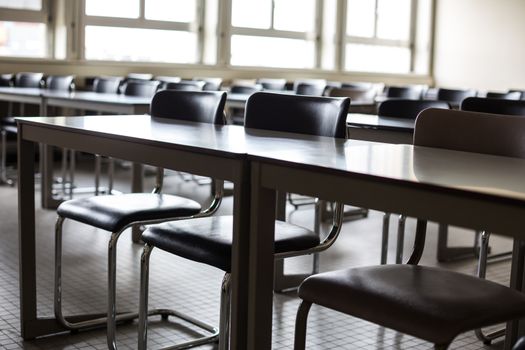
(220, 334)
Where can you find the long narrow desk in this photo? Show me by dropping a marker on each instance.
(465, 189)
(203, 149)
(21, 95)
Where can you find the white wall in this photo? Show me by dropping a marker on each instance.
(480, 44)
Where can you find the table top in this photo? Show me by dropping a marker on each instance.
(372, 121)
(486, 175)
(21, 91)
(440, 169)
(97, 97)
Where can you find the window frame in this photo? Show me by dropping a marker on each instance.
(32, 16)
(142, 23)
(314, 35)
(375, 40)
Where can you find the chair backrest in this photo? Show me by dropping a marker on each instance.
(107, 85)
(355, 94)
(145, 88)
(195, 106)
(323, 116)
(29, 80)
(6, 79)
(414, 92)
(522, 92)
(495, 134)
(164, 80)
(272, 84)
(187, 85)
(495, 106)
(357, 85)
(245, 89)
(407, 109)
(211, 84)
(60, 82)
(454, 95)
(515, 95)
(310, 89)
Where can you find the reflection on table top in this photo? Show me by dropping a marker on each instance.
(376, 122)
(498, 177)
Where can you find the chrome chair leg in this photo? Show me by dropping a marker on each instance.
(84, 321)
(144, 312)
(98, 162)
(111, 174)
(300, 325)
(224, 322)
(64, 170)
(72, 169)
(3, 171)
(484, 238)
(384, 238)
(400, 239)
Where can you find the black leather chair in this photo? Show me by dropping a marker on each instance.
(453, 95)
(310, 89)
(116, 213)
(495, 106)
(186, 85)
(405, 109)
(430, 303)
(414, 92)
(209, 240)
(211, 84)
(522, 92)
(166, 79)
(520, 344)
(140, 88)
(6, 80)
(272, 84)
(107, 85)
(355, 94)
(29, 80)
(514, 95)
(245, 89)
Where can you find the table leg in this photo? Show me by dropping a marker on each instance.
(26, 235)
(261, 257)
(240, 258)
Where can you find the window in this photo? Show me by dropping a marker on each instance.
(270, 33)
(141, 30)
(23, 28)
(379, 35)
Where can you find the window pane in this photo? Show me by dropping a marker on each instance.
(144, 45)
(171, 10)
(372, 58)
(287, 18)
(393, 19)
(271, 52)
(252, 13)
(360, 18)
(22, 4)
(23, 39)
(113, 8)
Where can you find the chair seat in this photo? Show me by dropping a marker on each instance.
(209, 240)
(114, 212)
(12, 129)
(429, 303)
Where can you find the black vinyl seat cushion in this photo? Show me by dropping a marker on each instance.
(209, 240)
(114, 212)
(429, 303)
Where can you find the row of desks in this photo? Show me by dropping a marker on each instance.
(361, 126)
(476, 191)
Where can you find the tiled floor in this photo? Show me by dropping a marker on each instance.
(194, 288)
